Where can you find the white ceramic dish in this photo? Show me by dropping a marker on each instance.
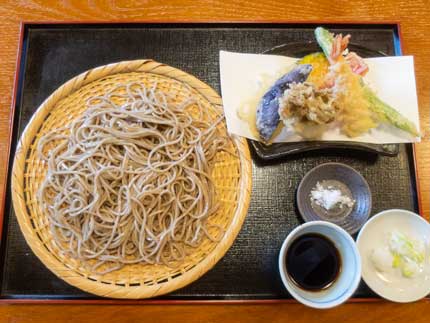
(350, 272)
(392, 285)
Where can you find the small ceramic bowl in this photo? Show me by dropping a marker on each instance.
(345, 179)
(390, 283)
(350, 271)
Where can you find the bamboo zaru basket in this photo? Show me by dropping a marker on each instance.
(231, 174)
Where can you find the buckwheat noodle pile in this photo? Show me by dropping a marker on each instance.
(130, 182)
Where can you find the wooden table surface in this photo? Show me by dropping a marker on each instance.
(415, 27)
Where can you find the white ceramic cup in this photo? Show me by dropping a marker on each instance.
(350, 272)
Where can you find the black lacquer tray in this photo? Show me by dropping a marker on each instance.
(53, 53)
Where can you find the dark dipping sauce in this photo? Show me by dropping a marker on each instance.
(313, 262)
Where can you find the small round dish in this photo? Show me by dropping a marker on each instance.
(392, 285)
(339, 177)
(350, 269)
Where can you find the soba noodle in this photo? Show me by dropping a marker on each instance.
(130, 182)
